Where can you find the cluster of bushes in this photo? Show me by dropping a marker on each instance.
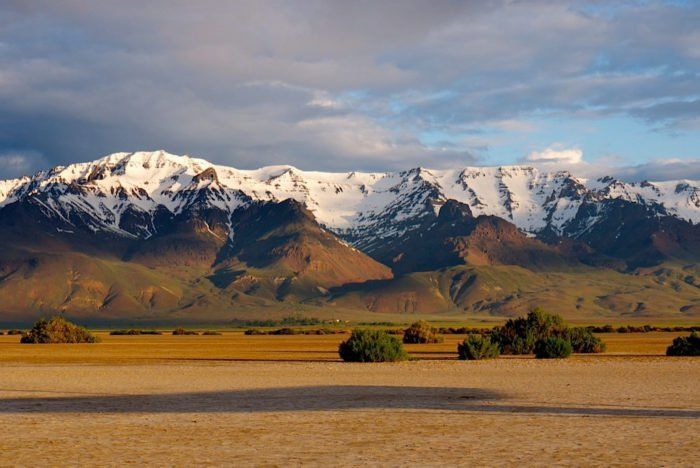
(371, 346)
(182, 331)
(545, 335)
(463, 331)
(296, 331)
(12, 332)
(421, 332)
(57, 330)
(290, 320)
(211, 333)
(134, 331)
(639, 329)
(685, 346)
(378, 324)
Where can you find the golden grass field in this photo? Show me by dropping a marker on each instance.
(281, 400)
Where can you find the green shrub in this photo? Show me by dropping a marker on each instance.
(421, 332)
(371, 346)
(519, 336)
(685, 346)
(583, 341)
(57, 330)
(477, 347)
(182, 331)
(552, 347)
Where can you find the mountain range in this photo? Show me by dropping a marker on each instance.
(155, 236)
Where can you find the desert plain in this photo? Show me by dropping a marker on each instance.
(287, 400)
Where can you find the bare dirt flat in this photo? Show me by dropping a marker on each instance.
(233, 399)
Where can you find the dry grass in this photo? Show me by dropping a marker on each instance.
(234, 346)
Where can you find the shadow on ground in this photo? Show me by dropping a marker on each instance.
(314, 398)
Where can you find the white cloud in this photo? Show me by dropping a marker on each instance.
(555, 154)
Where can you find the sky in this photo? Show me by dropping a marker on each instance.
(593, 87)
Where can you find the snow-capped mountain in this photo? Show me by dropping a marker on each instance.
(122, 194)
(152, 235)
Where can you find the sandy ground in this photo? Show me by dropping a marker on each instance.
(581, 411)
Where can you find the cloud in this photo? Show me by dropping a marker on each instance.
(660, 170)
(555, 155)
(16, 164)
(336, 84)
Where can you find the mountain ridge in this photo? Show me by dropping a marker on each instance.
(149, 235)
(357, 206)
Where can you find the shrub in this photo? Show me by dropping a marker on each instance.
(57, 330)
(552, 347)
(210, 333)
(292, 319)
(14, 332)
(685, 346)
(477, 347)
(254, 331)
(285, 331)
(371, 346)
(182, 331)
(132, 331)
(519, 336)
(583, 341)
(421, 332)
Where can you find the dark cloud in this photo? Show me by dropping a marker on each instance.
(331, 85)
(660, 170)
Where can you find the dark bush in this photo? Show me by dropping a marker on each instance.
(421, 332)
(285, 331)
(132, 331)
(57, 330)
(292, 319)
(603, 329)
(254, 331)
(519, 336)
(583, 341)
(14, 332)
(371, 346)
(477, 347)
(685, 346)
(552, 347)
(181, 331)
(210, 333)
